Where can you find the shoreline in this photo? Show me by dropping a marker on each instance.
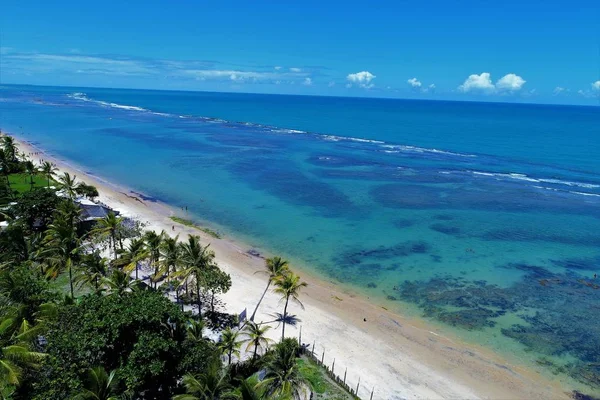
(404, 358)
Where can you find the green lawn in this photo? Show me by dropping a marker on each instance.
(323, 386)
(20, 182)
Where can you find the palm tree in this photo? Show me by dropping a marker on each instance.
(170, 253)
(196, 260)
(131, 257)
(119, 282)
(5, 167)
(10, 148)
(153, 242)
(98, 385)
(48, 169)
(288, 287)
(30, 167)
(256, 337)
(63, 244)
(283, 378)
(111, 226)
(194, 330)
(14, 355)
(229, 343)
(69, 184)
(274, 267)
(211, 385)
(95, 268)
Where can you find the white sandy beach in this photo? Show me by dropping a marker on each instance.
(400, 358)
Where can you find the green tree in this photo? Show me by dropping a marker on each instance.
(194, 329)
(210, 385)
(288, 287)
(170, 260)
(69, 184)
(154, 242)
(89, 191)
(48, 170)
(282, 378)
(141, 333)
(229, 343)
(119, 282)
(64, 246)
(99, 385)
(94, 269)
(111, 227)
(256, 337)
(10, 148)
(132, 256)
(196, 261)
(36, 208)
(275, 268)
(31, 171)
(216, 281)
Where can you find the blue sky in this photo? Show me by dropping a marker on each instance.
(530, 51)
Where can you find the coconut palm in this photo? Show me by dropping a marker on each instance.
(288, 287)
(170, 260)
(99, 385)
(94, 268)
(14, 355)
(211, 385)
(30, 168)
(196, 261)
(194, 330)
(48, 170)
(282, 378)
(69, 184)
(274, 268)
(110, 226)
(119, 282)
(10, 148)
(229, 343)
(256, 338)
(153, 242)
(5, 167)
(132, 256)
(64, 246)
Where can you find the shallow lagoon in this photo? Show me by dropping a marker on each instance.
(496, 245)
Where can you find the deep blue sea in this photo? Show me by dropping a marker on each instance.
(483, 218)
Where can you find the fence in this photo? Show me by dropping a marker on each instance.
(310, 352)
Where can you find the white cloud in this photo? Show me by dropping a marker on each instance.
(307, 82)
(476, 82)
(363, 79)
(558, 90)
(482, 83)
(510, 82)
(293, 69)
(432, 86)
(331, 84)
(414, 82)
(277, 68)
(596, 85)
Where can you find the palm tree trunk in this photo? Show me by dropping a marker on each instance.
(71, 279)
(136, 270)
(260, 301)
(199, 300)
(284, 317)
(255, 350)
(230, 357)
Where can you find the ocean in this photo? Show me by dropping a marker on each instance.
(482, 218)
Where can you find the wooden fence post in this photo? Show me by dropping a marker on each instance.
(345, 372)
(323, 356)
(357, 385)
(313, 350)
(372, 392)
(333, 366)
(300, 337)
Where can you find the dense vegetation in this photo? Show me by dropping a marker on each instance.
(86, 311)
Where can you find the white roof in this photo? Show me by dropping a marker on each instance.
(86, 202)
(4, 224)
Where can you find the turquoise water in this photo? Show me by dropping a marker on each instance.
(484, 218)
